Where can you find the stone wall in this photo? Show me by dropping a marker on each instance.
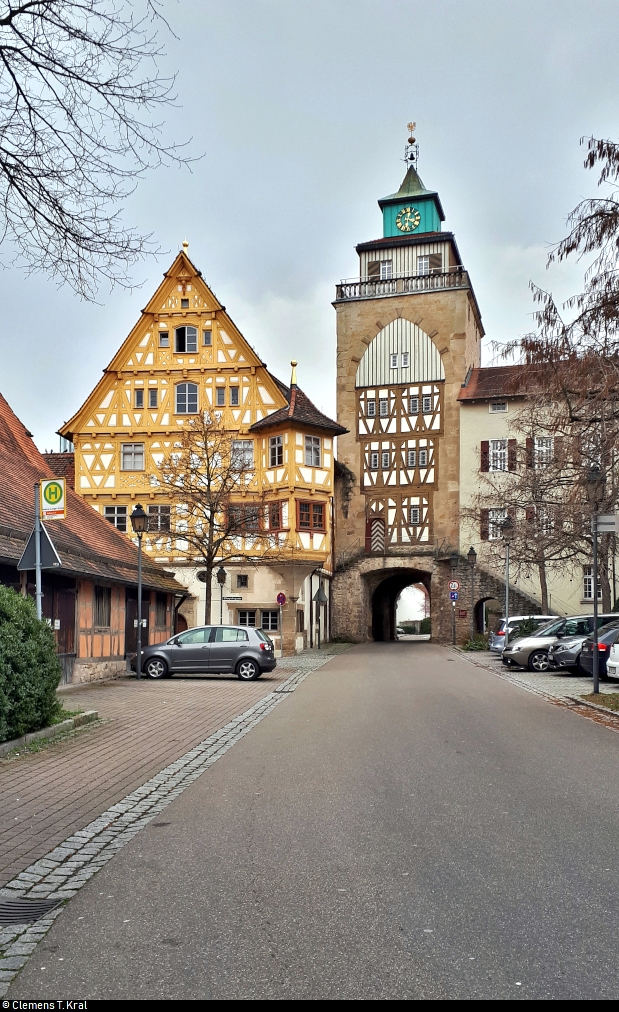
(92, 670)
(356, 611)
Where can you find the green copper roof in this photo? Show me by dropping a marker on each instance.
(412, 187)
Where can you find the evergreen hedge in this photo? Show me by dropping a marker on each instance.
(29, 668)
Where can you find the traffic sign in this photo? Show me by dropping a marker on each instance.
(49, 555)
(454, 585)
(281, 600)
(607, 523)
(53, 499)
(453, 595)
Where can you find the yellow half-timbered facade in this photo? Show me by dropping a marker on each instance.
(185, 356)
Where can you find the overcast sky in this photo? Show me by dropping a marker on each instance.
(300, 108)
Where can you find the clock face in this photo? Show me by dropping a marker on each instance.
(407, 219)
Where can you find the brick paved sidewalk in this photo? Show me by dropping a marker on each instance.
(560, 685)
(46, 796)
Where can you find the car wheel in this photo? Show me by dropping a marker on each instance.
(247, 671)
(156, 668)
(538, 661)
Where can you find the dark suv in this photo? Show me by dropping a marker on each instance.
(209, 649)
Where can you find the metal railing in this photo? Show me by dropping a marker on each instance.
(372, 288)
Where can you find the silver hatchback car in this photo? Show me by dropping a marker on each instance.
(211, 649)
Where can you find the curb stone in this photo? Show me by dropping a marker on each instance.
(49, 732)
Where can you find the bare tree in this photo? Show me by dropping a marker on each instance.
(221, 514)
(79, 86)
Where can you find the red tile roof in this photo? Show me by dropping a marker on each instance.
(299, 409)
(496, 381)
(62, 465)
(87, 544)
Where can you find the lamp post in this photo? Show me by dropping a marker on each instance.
(453, 562)
(507, 531)
(595, 482)
(472, 557)
(139, 522)
(221, 579)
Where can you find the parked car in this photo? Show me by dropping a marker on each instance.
(564, 655)
(211, 649)
(606, 639)
(496, 639)
(532, 651)
(612, 664)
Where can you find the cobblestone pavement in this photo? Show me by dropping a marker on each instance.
(60, 872)
(560, 685)
(46, 796)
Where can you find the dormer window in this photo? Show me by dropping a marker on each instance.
(185, 340)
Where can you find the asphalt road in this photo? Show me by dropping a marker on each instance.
(403, 826)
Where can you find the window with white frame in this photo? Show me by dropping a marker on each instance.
(587, 584)
(426, 405)
(132, 457)
(543, 448)
(413, 406)
(544, 520)
(385, 459)
(414, 516)
(312, 451)
(242, 454)
(139, 398)
(497, 458)
(496, 519)
(276, 451)
(235, 394)
(497, 407)
(159, 518)
(393, 361)
(370, 408)
(152, 397)
(117, 516)
(386, 270)
(207, 338)
(423, 458)
(405, 359)
(411, 458)
(164, 338)
(374, 460)
(220, 396)
(383, 406)
(423, 265)
(185, 340)
(186, 399)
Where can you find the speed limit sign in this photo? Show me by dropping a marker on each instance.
(454, 585)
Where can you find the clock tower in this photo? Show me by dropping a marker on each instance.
(409, 331)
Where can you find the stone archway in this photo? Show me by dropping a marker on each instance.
(387, 587)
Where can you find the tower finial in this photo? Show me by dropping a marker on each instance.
(411, 150)
(293, 378)
(185, 246)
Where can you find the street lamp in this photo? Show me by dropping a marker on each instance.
(453, 562)
(507, 531)
(221, 579)
(595, 482)
(139, 522)
(472, 557)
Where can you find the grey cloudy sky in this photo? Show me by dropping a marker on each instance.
(300, 109)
